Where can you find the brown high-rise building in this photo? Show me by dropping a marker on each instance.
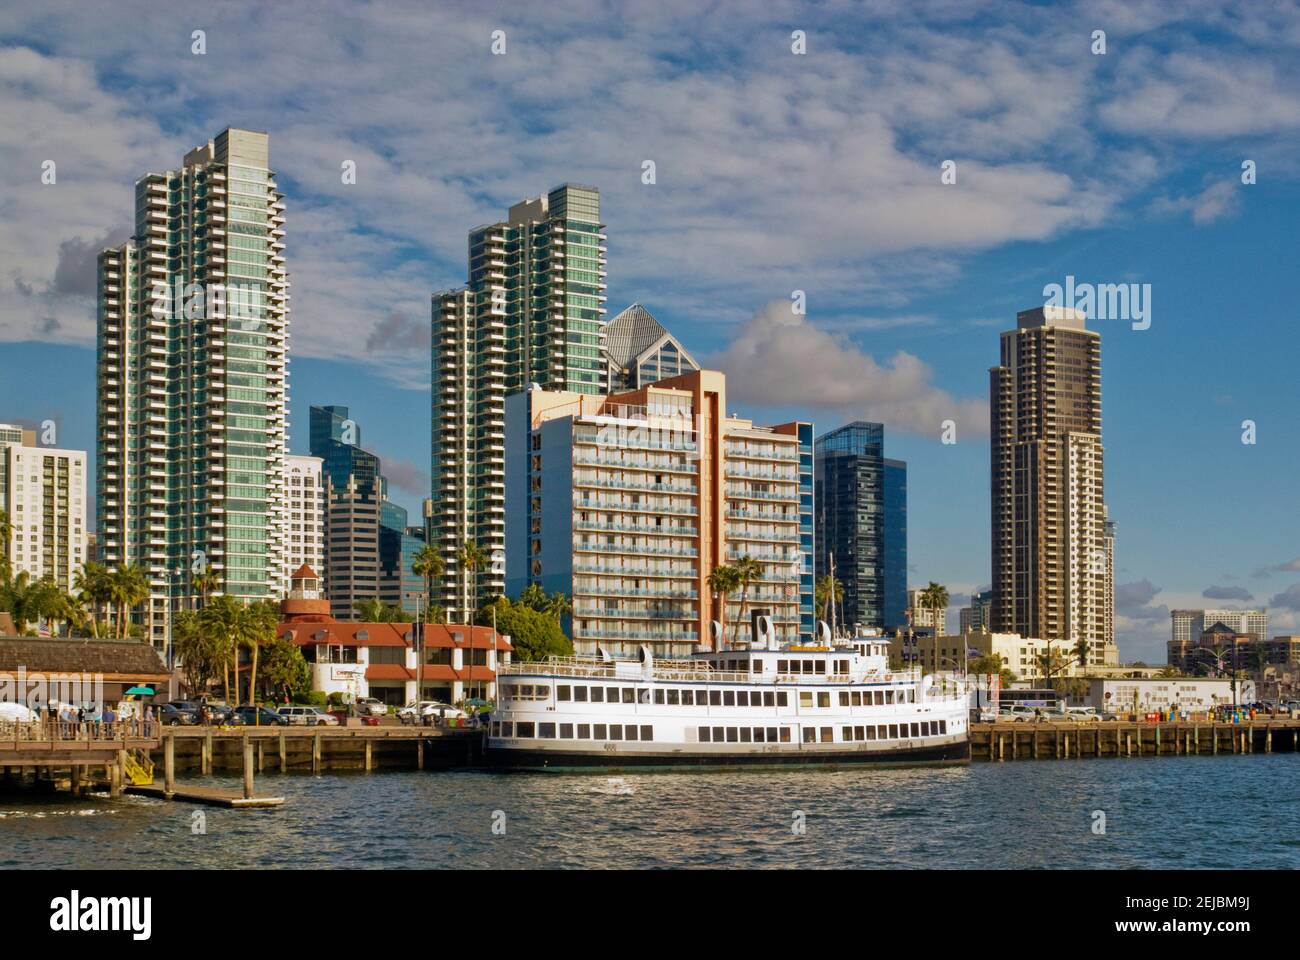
(1049, 544)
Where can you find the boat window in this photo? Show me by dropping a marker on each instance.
(728, 698)
(733, 735)
(566, 731)
(704, 735)
(859, 733)
(715, 698)
(629, 694)
(523, 729)
(598, 732)
(925, 728)
(616, 731)
(916, 729)
(756, 665)
(584, 731)
(759, 735)
(507, 728)
(785, 734)
(746, 734)
(563, 692)
(742, 698)
(823, 698)
(819, 666)
(631, 731)
(943, 727)
(828, 735)
(871, 733)
(889, 696)
(701, 697)
(783, 666)
(580, 694)
(688, 698)
(546, 731)
(857, 698)
(647, 731)
(805, 698)
(769, 699)
(846, 734)
(882, 732)
(496, 728)
(673, 698)
(597, 694)
(782, 698)
(844, 698)
(659, 695)
(809, 734)
(718, 735)
(893, 731)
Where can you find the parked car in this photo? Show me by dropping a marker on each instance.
(308, 716)
(224, 715)
(430, 710)
(263, 716)
(371, 707)
(170, 715)
(189, 708)
(1083, 714)
(1018, 711)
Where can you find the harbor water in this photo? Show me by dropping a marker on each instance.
(1181, 813)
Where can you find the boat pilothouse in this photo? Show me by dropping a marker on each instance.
(833, 702)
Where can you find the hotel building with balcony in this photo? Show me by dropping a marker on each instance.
(627, 502)
(531, 312)
(193, 390)
(43, 490)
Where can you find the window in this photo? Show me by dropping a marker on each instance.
(782, 698)
(785, 734)
(809, 734)
(718, 735)
(631, 731)
(733, 735)
(893, 731)
(846, 734)
(859, 733)
(828, 735)
(580, 694)
(728, 698)
(599, 732)
(647, 731)
(769, 700)
(745, 734)
(563, 692)
(659, 695)
(584, 731)
(857, 698)
(742, 698)
(523, 729)
(566, 731)
(629, 694)
(507, 728)
(925, 728)
(823, 698)
(688, 698)
(701, 697)
(916, 729)
(805, 699)
(616, 731)
(546, 731)
(943, 727)
(672, 697)
(598, 696)
(715, 698)
(704, 735)
(844, 698)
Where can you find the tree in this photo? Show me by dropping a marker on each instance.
(1052, 663)
(128, 588)
(554, 604)
(205, 582)
(428, 565)
(723, 581)
(987, 665)
(374, 610)
(285, 668)
(748, 572)
(1081, 651)
(196, 650)
(91, 583)
(534, 634)
(473, 558)
(6, 531)
(259, 622)
(935, 598)
(219, 620)
(21, 599)
(829, 591)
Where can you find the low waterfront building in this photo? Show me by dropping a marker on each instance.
(1148, 695)
(1023, 656)
(380, 659)
(628, 502)
(77, 670)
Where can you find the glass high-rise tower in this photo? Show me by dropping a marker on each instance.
(192, 379)
(862, 524)
(532, 312)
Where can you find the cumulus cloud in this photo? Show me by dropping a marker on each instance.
(780, 359)
(1288, 599)
(1216, 202)
(1227, 593)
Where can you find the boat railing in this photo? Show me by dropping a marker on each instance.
(694, 672)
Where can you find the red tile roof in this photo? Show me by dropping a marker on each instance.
(436, 635)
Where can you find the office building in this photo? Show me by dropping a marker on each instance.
(1188, 625)
(639, 350)
(531, 312)
(862, 524)
(628, 502)
(1198, 634)
(193, 327)
(304, 532)
(1048, 543)
(978, 615)
(43, 491)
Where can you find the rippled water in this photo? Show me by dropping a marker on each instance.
(1192, 812)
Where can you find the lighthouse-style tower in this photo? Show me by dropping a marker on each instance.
(306, 602)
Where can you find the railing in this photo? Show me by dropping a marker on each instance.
(672, 670)
(46, 730)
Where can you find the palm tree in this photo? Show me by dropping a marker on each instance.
(1081, 651)
(935, 599)
(829, 591)
(473, 558)
(128, 588)
(428, 565)
(19, 596)
(91, 584)
(195, 649)
(723, 581)
(6, 531)
(370, 610)
(218, 621)
(205, 582)
(748, 572)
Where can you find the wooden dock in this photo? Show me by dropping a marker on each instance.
(1057, 740)
(210, 796)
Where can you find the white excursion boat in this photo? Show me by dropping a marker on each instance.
(836, 703)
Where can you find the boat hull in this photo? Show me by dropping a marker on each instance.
(688, 759)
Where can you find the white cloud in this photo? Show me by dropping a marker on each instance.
(781, 360)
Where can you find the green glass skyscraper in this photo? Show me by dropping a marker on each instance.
(193, 326)
(532, 312)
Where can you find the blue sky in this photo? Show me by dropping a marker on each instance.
(775, 172)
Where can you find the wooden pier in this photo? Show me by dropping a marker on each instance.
(1057, 740)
